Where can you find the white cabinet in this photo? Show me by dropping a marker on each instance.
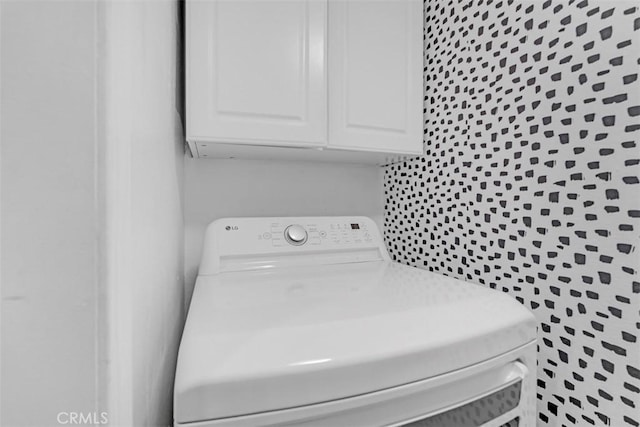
(341, 76)
(375, 75)
(257, 71)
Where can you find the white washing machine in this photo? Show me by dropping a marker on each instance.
(307, 322)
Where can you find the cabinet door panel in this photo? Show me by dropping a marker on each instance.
(375, 75)
(256, 71)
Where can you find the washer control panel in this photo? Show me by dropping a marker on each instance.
(316, 233)
(257, 235)
(245, 243)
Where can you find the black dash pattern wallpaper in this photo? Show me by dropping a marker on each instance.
(530, 184)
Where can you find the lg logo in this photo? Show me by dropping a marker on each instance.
(231, 227)
(81, 418)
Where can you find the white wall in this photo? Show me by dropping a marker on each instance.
(144, 172)
(236, 188)
(49, 211)
(91, 174)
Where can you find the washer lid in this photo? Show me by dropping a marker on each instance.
(265, 340)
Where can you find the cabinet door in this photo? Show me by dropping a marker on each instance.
(375, 75)
(256, 71)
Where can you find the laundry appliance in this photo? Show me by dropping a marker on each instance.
(307, 322)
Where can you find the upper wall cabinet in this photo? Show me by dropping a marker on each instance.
(257, 71)
(375, 75)
(267, 77)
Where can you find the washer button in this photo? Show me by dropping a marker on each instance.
(295, 234)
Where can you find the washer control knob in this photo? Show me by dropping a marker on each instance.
(295, 234)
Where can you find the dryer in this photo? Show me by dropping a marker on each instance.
(306, 321)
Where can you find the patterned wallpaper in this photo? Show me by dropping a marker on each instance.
(529, 184)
